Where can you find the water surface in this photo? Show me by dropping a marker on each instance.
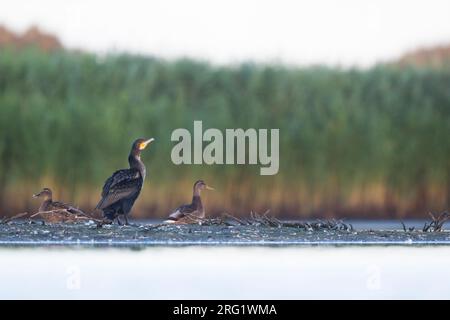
(226, 273)
(145, 234)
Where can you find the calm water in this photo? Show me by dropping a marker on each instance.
(226, 273)
(39, 262)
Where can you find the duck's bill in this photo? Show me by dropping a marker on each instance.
(209, 188)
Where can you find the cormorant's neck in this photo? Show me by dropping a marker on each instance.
(134, 159)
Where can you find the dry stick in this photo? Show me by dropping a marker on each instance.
(403, 225)
(271, 221)
(56, 211)
(442, 219)
(17, 216)
(437, 223)
(234, 218)
(265, 220)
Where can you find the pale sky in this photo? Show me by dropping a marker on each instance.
(340, 32)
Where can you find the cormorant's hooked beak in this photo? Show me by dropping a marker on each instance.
(209, 188)
(144, 144)
(36, 195)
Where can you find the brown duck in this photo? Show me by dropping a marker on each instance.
(55, 211)
(193, 212)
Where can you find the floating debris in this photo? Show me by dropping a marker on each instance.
(437, 223)
(17, 216)
(410, 229)
(268, 221)
(21, 233)
(264, 220)
(256, 229)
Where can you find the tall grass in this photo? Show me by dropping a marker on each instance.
(352, 142)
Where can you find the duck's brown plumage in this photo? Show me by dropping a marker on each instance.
(193, 211)
(56, 211)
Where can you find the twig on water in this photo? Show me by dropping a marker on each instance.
(17, 216)
(256, 219)
(405, 229)
(226, 215)
(437, 223)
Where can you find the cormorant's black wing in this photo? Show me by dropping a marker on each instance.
(122, 184)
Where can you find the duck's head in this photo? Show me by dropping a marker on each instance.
(45, 193)
(200, 185)
(140, 144)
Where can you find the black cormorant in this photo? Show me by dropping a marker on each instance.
(123, 187)
(188, 213)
